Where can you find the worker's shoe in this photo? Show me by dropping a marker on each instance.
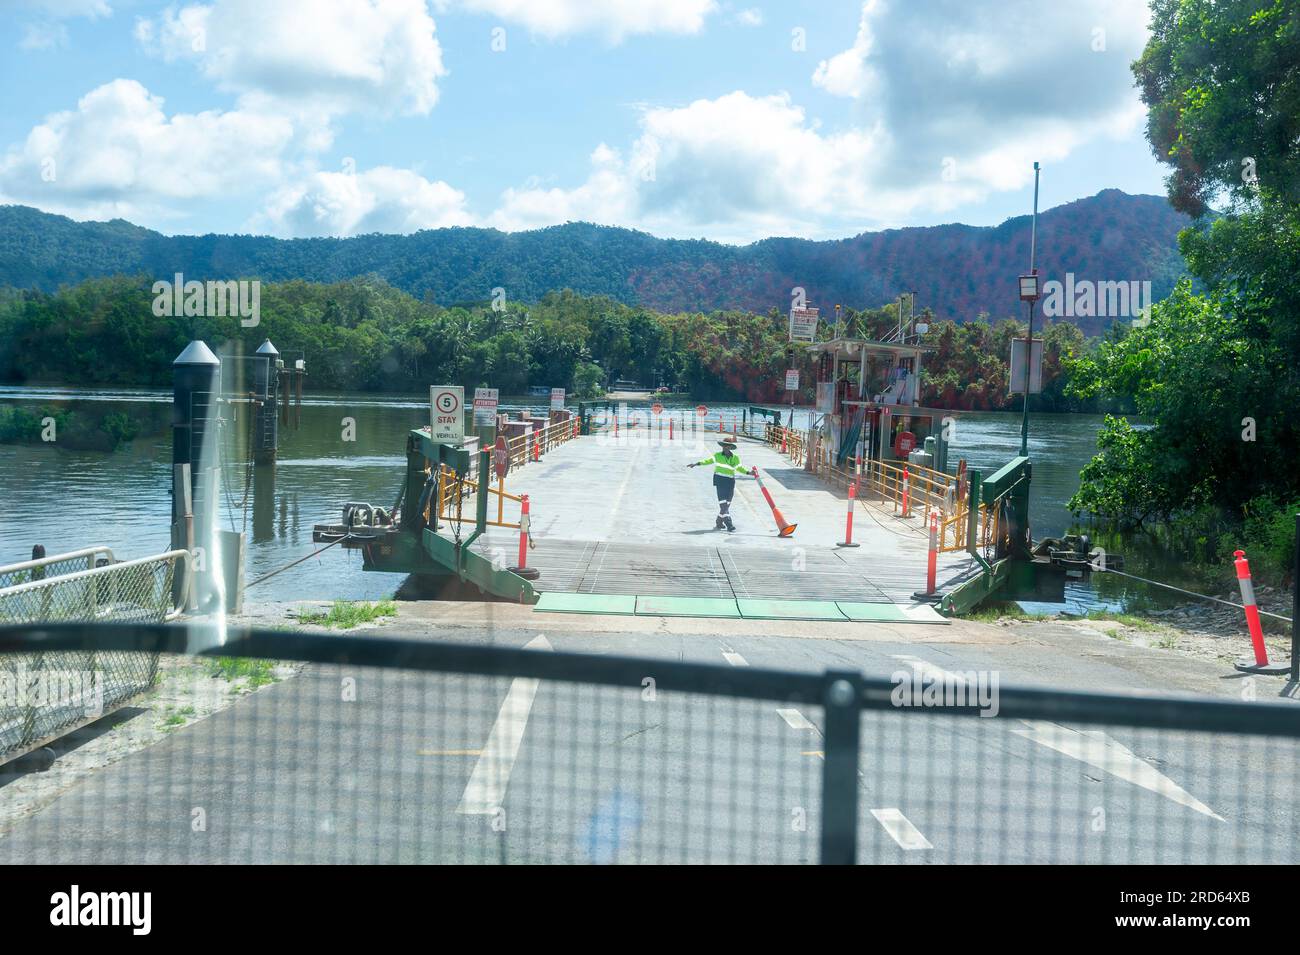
(727, 521)
(718, 525)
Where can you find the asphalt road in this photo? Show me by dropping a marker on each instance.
(358, 765)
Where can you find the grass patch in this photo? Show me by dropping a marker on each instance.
(349, 613)
(256, 672)
(995, 610)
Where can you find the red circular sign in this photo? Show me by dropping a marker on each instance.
(657, 408)
(701, 410)
(904, 443)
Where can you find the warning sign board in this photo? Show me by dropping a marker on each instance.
(447, 411)
(792, 380)
(557, 399)
(485, 407)
(803, 324)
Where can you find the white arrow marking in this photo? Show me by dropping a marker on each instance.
(1097, 749)
(795, 720)
(1092, 747)
(486, 788)
(901, 830)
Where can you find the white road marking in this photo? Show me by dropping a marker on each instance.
(1091, 746)
(486, 788)
(795, 720)
(901, 830)
(1097, 749)
(930, 670)
(734, 658)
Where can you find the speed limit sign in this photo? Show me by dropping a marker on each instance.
(447, 413)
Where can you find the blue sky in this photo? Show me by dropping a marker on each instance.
(687, 118)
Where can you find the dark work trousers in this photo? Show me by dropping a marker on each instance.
(726, 488)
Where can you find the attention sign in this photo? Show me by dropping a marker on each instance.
(485, 407)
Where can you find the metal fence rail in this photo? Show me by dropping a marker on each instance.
(85, 559)
(44, 694)
(396, 749)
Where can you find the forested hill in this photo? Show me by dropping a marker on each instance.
(958, 271)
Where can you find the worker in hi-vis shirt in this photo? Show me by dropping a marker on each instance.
(726, 465)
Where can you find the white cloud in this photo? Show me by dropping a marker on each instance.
(615, 19)
(382, 199)
(45, 31)
(941, 119)
(119, 154)
(846, 74)
(44, 35)
(69, 8)
(732, 168)
(751, 17)
(308, 57)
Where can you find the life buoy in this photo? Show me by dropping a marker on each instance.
(904, 443)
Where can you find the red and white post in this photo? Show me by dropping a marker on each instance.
(848, 519)
(1260, 664)
(931, 562)
(907, 493)
(522, 568)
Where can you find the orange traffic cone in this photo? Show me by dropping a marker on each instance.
(782, 528)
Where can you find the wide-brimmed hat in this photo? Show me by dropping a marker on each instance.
(728, 441)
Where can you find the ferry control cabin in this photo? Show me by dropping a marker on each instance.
(868, 393)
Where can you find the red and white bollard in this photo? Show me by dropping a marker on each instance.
(537, 447)
(1260, 664)
(931, 562)
(907, 493)
(848, 520)
(670, 429)
(522, 569)
(783, 437)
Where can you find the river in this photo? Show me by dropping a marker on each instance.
(68, 499)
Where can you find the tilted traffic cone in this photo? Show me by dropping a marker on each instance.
(782, 528)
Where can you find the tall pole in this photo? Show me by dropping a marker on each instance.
(1029, 333)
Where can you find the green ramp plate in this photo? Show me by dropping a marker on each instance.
(755, 609)
(555, 602)
(890, 613)
(660, 606)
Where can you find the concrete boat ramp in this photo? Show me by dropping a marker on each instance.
(621, 525)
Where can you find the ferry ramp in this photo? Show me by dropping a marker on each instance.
(623, 516)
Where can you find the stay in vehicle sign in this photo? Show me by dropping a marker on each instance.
(447, 407)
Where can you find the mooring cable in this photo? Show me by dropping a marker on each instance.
(298, 561)
(1190, 593)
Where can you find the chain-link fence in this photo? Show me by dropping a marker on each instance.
(388, 749)
(46, 694)
(87, 558)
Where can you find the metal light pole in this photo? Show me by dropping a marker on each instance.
(1029, 334)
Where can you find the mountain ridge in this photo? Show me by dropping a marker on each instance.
(957, 270)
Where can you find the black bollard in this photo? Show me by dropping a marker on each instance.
(265, 421)
(196, 409)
